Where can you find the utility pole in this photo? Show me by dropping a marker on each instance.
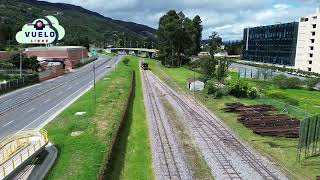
(20, 63)
(194, 83)
(94, 82)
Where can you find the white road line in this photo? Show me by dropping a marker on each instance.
(46, 100)
(69, 88)
(31, 110)
(60, 93)
(7, 123)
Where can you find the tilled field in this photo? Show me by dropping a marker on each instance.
(228, 157)
(263, 120)
(168, 159)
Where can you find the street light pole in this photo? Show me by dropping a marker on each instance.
(94, 82)
(194, 83)
(20, 64)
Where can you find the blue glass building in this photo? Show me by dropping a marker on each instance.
(274, 44)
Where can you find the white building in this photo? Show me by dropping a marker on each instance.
(308, 44)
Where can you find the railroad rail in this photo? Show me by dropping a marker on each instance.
(18, 148)
(222, 144)
(169, 161)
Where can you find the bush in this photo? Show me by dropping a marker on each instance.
(286, 83)
(253, 92)
(217, 90)
(279, 80)
(126, 61)
(293, 83)
(239, 88)
(282, 96)
(311, 82)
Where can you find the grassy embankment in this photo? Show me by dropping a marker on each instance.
(131, 157)
(84, 154)
(281, 150)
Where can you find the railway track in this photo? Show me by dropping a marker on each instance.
(230, 159)
(22, 98)
(168, 159)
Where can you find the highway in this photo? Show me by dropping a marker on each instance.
(35, 106)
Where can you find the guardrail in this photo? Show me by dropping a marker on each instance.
(16, 149)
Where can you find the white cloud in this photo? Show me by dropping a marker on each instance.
(28, 34)
(228, 17)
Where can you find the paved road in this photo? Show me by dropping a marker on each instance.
(34, 106)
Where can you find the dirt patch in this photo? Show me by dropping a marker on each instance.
(76, 133)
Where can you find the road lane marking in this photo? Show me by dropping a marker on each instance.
(7, 123)
(65, 105)
(31, 110)
(69, 88)
(46, 100)
(60, 93)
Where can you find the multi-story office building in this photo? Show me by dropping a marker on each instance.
(274, 44)
(308, 46)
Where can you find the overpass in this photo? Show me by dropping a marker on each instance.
(16, 150)
(150, 52)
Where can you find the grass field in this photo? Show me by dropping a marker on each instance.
(83, 155)
(132, 157)
(281, 150)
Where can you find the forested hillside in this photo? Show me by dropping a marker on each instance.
(82, 26)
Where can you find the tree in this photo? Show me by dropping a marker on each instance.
(222, 69)
(177, 38)
(215, 42)
(27, 63)
(197, 35)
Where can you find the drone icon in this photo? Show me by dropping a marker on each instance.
(39, 25)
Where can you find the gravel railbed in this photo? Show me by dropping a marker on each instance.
(168, 159)
(227, 156)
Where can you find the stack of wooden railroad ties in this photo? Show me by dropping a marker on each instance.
(263, 120)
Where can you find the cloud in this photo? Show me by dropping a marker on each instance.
(55, 23)
(215, 14)
(28, 34)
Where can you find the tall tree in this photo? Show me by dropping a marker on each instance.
(215, 42)
(197, 36)
(177, 38)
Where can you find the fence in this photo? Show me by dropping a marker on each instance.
(17, 148)
(309, 138)
(7, 85)
(89, 59)
(256, 73)
(284, 107)
(12, 71)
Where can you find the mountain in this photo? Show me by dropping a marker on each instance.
(82, 26)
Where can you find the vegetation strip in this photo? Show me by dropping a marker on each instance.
(131, 156)
(84, 141)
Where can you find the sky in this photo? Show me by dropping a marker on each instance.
(227, 17)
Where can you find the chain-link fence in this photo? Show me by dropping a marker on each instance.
(256, 73)
(309, 138)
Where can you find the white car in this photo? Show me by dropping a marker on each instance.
(108, 66)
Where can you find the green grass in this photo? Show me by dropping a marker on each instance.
(132, 157)
(83, 156)
(281, 150)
